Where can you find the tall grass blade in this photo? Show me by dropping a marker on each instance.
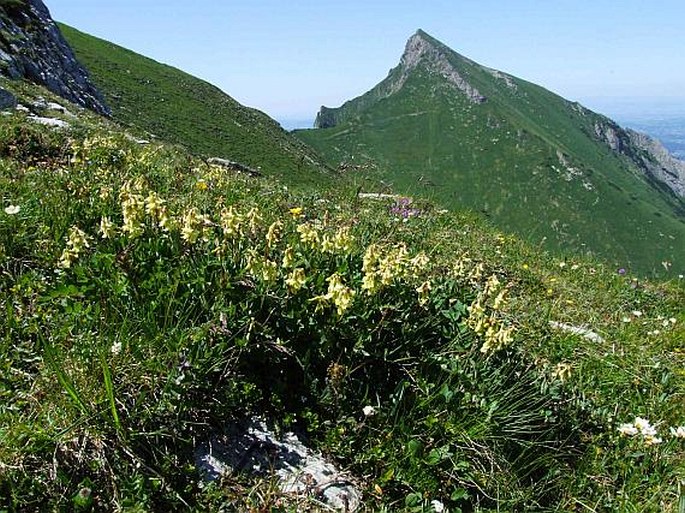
(109, 390)
(62, 376)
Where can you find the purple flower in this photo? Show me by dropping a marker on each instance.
(621, 271)
(402, 208)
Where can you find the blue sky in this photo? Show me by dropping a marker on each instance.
(289, 58)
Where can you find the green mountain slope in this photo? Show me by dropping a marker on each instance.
(443, 126)
(170, 104)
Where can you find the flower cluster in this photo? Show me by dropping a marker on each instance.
(382, 268)
(195, 226)
(403, 209)
(562, 371)
(261, 268)
(132, 209)
(231, 223)
(485, 316)
(643, 428)
(76, 243)
(338, 293)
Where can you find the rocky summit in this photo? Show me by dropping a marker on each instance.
(32, 47)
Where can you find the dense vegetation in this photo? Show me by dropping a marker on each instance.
(149, 299)
(162, 101)
(529, 160)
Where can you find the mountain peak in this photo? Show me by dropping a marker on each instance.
(421, 48)
(421, 51)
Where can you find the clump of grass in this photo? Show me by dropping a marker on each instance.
(149, 298)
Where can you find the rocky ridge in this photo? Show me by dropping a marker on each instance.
(32, 47)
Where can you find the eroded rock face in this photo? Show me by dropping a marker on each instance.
(32, 47)
(646, 152)
(660, 163)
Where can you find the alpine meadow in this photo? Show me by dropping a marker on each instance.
(459, 292)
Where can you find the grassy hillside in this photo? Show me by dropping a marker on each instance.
(144, 307)
(526, 158)
(169, 104)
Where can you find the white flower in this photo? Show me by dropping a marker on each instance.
(678, 432)
(438, 506)
(12, 210)
(652, 440)
(369, 411)
(637, 313)
(625, 319)
(116, 348)
(627, 430)
(645, 427)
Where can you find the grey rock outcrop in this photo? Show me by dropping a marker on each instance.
(7, 100)
(254, 448)
(647, 153)
(32, 47)
(659, 162)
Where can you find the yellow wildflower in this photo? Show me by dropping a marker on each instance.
(327, 245)
(419, 262)
(252, 263)
(76, 243)
(133, 207)
(231, 222)
(273, 235)
(424, 292)
(165, 222)
(296, 212)
(190, 230)
(370, 283)
(308, 234)
(477, 272)
(492, 285)
(207, 228)
(269, 270)
(341, 295)
(154, 205)
(296, 280)
(343, 241)
(107, 229)
(371, 256)
(288, 257)
(562, 371)
(201, 185)
(254, 220)
(321, 302)
(499, 300)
